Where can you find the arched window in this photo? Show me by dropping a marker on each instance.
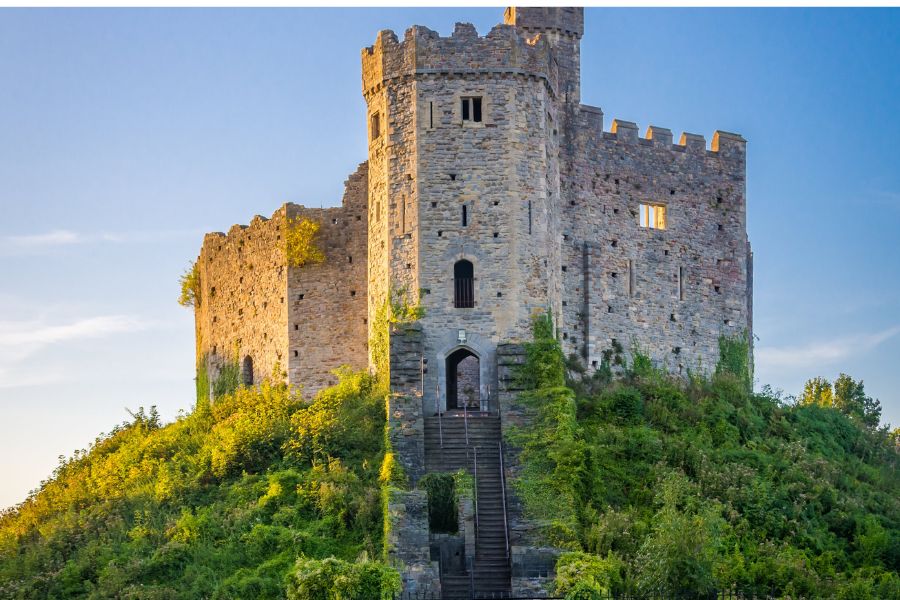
(463, 284)
(247, 371)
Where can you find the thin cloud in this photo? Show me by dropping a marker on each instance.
(18, 333)
(43, 242)
(822, 352)
(22, 339)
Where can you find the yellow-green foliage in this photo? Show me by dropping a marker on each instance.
(190, 286)
(580, 574)
(219, 504)
(300, 242)
(333, 579)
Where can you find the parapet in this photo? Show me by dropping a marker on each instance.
(565, 20)
(424, 51)
(724, 144)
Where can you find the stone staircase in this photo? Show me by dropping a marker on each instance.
(491, 574)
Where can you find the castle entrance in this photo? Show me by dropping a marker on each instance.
(463, 380)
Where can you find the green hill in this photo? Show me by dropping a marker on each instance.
(655, 484)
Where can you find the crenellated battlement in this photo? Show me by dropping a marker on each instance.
(724, 144)
(424, 51)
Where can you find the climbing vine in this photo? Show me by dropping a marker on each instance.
(300, 236)
(397, 308)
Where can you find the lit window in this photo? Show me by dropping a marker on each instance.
(471, 109)
(653, 216)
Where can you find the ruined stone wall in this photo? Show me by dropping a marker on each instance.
(243, 310)
(672, 292)
(327, 325)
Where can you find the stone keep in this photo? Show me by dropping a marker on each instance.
(480, 152)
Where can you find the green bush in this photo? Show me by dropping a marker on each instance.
(333, 579)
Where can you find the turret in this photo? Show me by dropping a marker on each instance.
(562, 27)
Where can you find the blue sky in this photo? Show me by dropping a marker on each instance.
(124, 135)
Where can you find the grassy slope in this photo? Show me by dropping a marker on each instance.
(671, 486)
(218, 504)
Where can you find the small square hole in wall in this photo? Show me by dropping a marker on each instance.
(666, 252)
(718, 199)
(215, 319)
(609, 309)
(352, 292)
(564, 269)
(594, 364)
(349, 259)
(617, 182)
(434, 205)
(496, 202)
(241, 280)
(359, 217)
(565, 303)
(571, 203)
(296, 353)
(672, 317)
(214, 349)
(720, 227)
(300, 296)
(615, 211)
(282, 299)
(296, 327)
(614, 275)
(676, 350)
(496, 234)
(452, 176)
(565, 336)
(334, 221)
(614, 243)
(671, 192)
(365, 321)
(718, 289)
(440, 233)
(499, 294)
(409, 265)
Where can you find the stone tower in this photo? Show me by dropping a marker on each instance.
(464, 179)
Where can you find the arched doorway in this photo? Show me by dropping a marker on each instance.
(247, 371)
(463, 380)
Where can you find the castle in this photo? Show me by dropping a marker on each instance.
(490, 194)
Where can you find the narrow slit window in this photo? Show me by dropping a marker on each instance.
(376, 126)
(653, 216)
(465, 215)
(471, 109)
(431, 115)
(529, 217)
(630, 277)
(403, 216)
(681, 283)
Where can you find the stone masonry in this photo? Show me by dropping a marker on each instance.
(482, 159)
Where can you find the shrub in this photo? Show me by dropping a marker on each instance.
(300, 242)
(190, 286)
(334, 579)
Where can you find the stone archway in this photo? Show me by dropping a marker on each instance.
(463, 380)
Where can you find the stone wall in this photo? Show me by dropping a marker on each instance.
(407, 543)
(327, 324)
(254, 305)
(672, 292)
(242, 311)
